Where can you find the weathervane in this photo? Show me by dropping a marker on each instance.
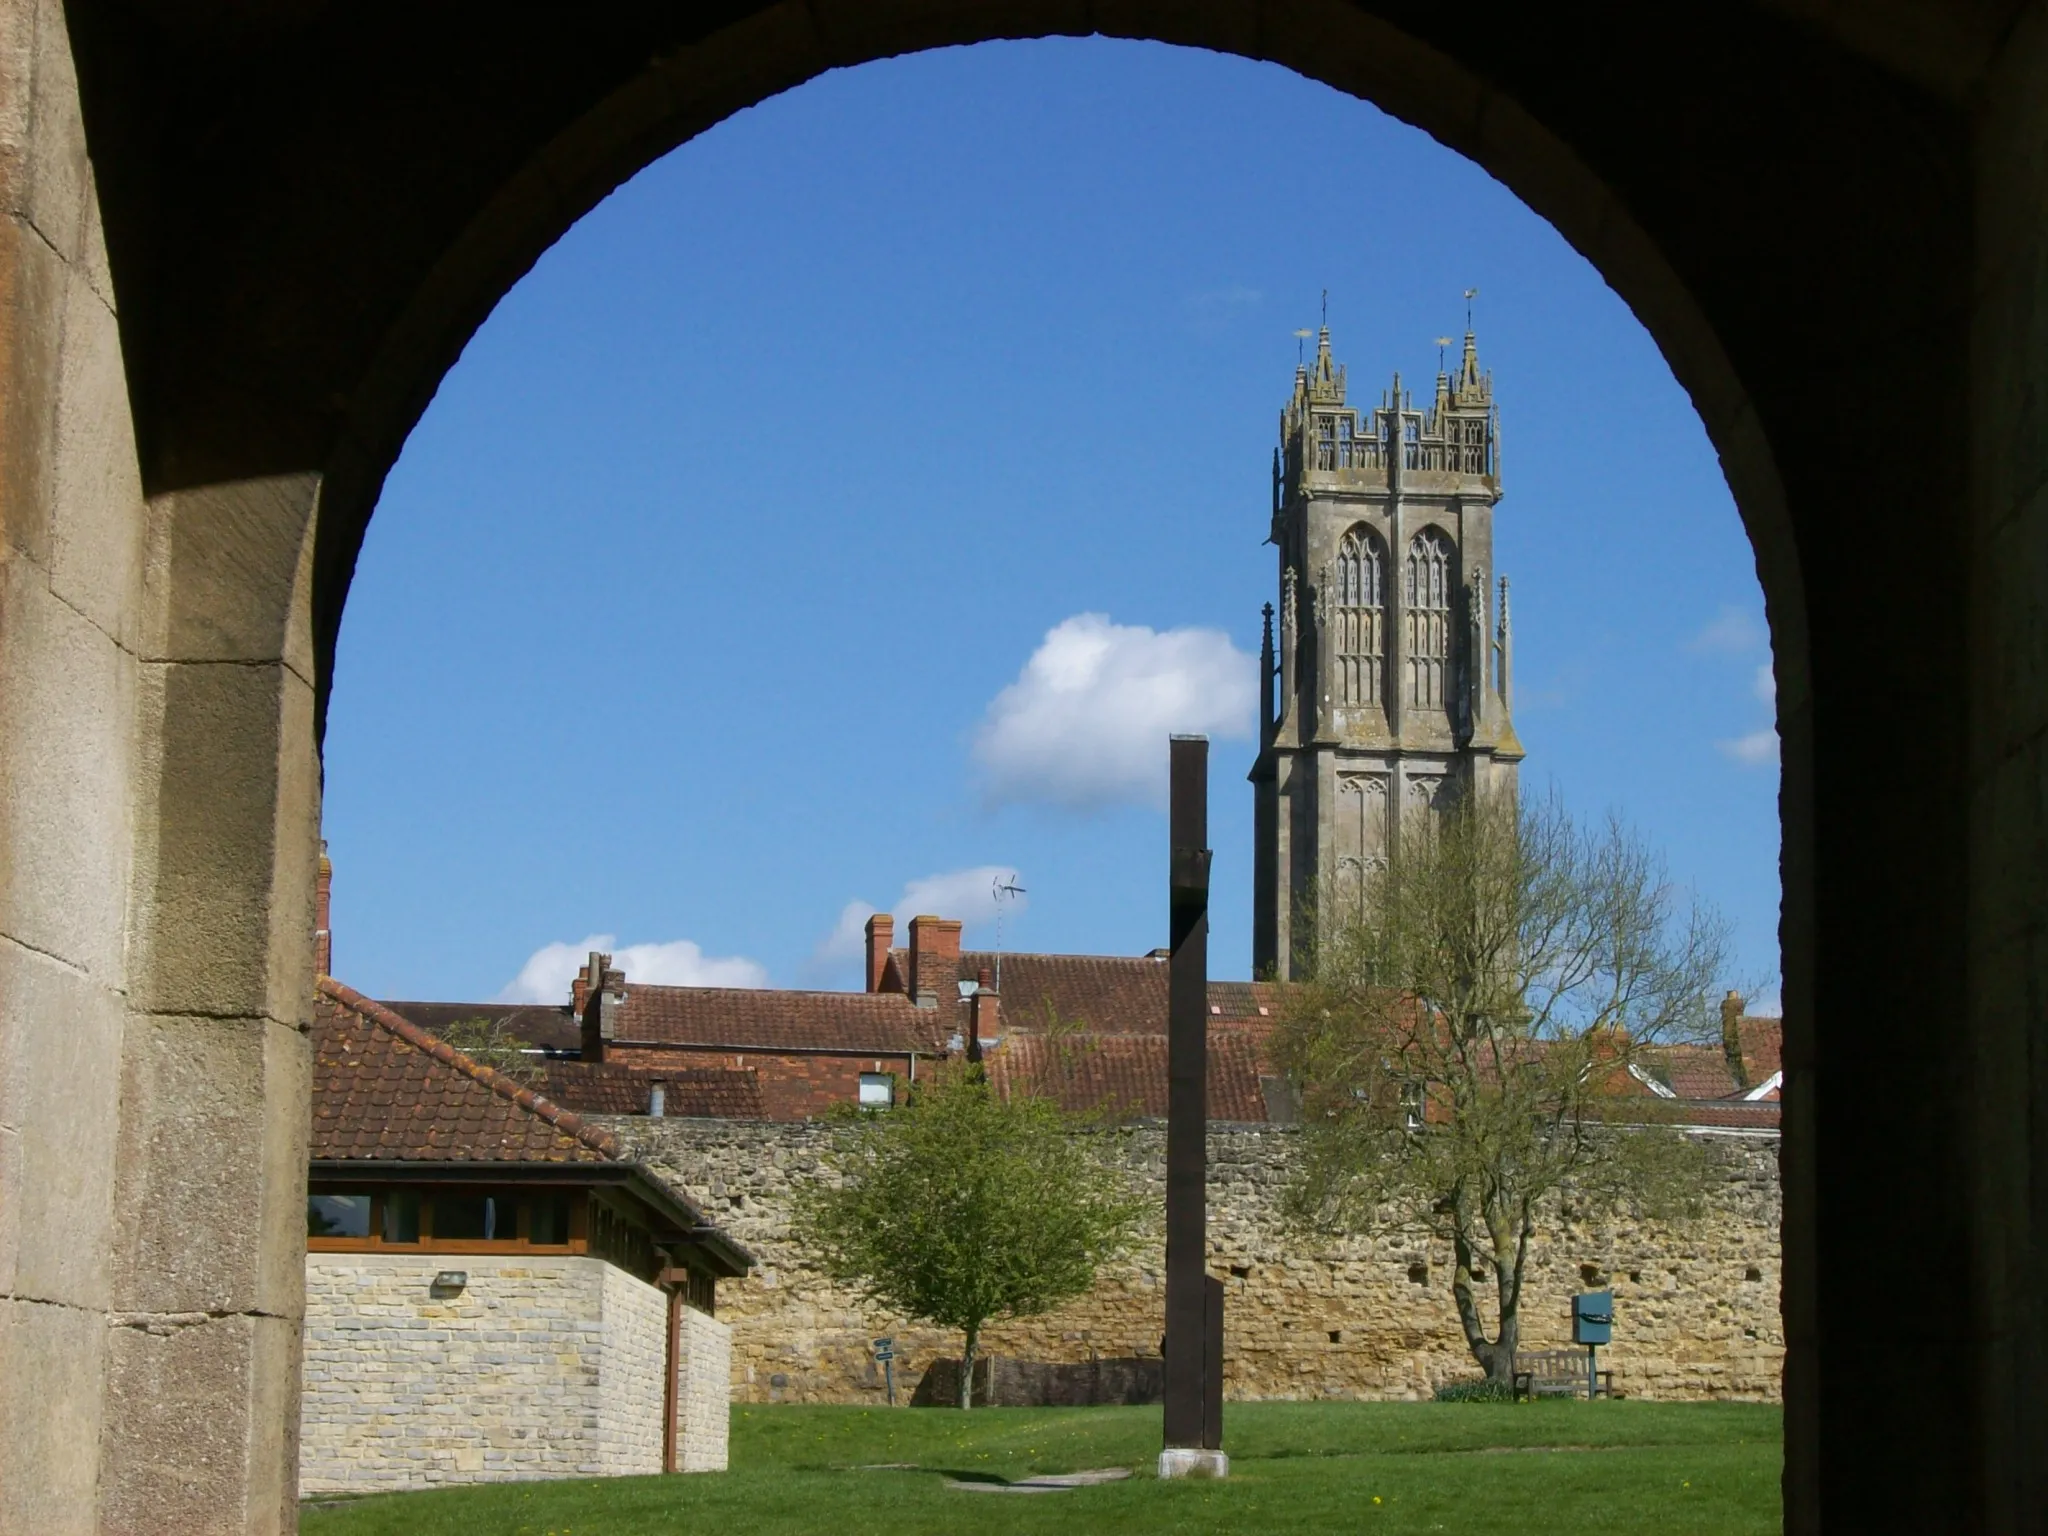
(1470, 295)
(1300, 340)
(1441, 343)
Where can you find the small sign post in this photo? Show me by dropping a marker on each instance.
(1592, 1326)
(885, 1352)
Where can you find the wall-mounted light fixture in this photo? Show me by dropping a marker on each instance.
(451, 1280)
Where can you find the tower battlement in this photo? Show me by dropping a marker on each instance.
(1324, 438)
(1386, 689)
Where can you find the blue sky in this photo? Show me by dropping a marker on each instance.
(837, 514)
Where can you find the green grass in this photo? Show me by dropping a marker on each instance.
(1692, 1469)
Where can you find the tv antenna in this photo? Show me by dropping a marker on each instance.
(1001, 888)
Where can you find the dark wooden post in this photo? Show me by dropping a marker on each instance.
(1192, 1422)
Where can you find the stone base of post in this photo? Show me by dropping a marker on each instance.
(1182, 1461)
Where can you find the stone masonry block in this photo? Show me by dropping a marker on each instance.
(50, 1359)
(226, 904)
(66, 713)
(209, 1197)
(59, 1107)
(96, 481)
(33, 279)
(234, 560)
(185, 1438)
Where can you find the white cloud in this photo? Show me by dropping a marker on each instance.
(1085, 724)
(968, 894)
(1758, 747)
(549, 970)
(1753, 750)
(1732, 632)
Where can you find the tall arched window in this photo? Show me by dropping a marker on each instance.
(1428, 615)
(1361, 618)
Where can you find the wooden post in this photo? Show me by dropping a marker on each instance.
(1193, 1422)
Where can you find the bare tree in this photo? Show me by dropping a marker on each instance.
(1464, 1045)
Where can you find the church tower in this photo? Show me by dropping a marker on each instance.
(1388, 688)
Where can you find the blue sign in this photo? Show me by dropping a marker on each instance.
(1593, 1317)
(885, 1349)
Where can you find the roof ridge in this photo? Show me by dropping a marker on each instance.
(567, 1121)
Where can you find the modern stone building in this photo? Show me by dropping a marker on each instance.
(493, 1289)
(1394, 659)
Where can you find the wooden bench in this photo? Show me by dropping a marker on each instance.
(1555, 1373)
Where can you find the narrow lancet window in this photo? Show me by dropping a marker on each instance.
(1360, 619)
(1428, 619)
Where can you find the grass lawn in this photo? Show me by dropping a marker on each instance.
(1690, 1469)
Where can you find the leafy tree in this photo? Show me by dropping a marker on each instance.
(489, 1043)
(959, 1206)
(1465, 1041)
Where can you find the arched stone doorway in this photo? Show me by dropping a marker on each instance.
(241, 251)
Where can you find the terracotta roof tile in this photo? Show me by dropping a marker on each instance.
(384, 1088)
(1126, 1074)
(1099, 994)
(856, 1023)
(702, 1093)
(550, 1025)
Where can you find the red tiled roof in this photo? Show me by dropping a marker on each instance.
(1763, 1047)
(384, 1088)
(550, 1025)
(855, 1023)
(1098, 994)
(1125, 1075)
(701, 1093)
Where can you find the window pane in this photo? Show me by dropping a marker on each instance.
(402, 1216)
(337, 1215)
(465, 1216)
(877, 1088)
(547, 1219)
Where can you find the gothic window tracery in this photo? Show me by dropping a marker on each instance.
(1428, 616)
(1360, 618)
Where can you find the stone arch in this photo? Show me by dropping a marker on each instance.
(305, 218)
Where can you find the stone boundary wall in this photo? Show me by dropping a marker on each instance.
(705, 1392)
(1697, 1306)
(631, 1393)
(542, 1366)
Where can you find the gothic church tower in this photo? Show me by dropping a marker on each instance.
(1388, 689)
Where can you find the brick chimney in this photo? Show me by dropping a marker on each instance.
(602, 994)
(934, 957)
(323, 915)
(881, 935)
(985, 1016)
(1731, 1039)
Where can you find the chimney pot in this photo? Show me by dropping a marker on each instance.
(1731, 1039)
(881, 936)
(323, 916)
(985, 1017)
(934, 949)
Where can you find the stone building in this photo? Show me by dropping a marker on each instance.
(1394, 661)
(493, 1288)
(1361, 1317)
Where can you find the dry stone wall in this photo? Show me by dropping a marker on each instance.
(1370, 1317)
